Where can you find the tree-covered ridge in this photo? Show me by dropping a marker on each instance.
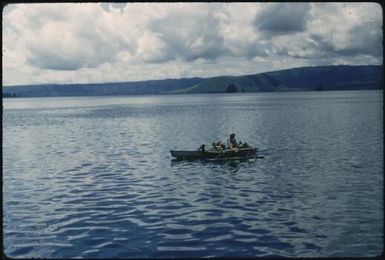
(340, 77)
(305, 78)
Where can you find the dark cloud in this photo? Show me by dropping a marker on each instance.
(199, 37)
(106, 6)
(366, 38)
(363, 39)
(50, 60)
(65, 60)
(282, 18)
(256, 49)
(88, 53)
(189, 38)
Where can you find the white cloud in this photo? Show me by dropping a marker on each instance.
(88, 42)
(347, 29)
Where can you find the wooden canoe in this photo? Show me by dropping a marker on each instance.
(242, 153)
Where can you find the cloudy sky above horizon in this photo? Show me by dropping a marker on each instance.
(112, 42)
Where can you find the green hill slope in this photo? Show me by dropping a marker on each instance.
(307, 78)
(339, 77)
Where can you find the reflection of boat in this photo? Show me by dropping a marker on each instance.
(212, 155)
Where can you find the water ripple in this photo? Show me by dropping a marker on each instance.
(97, 182)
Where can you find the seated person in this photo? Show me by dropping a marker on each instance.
(201, 148)
(232, 141)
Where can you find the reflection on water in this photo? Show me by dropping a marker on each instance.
(93, 177)
(230, 166)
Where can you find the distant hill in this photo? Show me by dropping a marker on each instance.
(339, 77)
(100, 89)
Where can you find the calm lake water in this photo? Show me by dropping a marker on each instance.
(92, 177)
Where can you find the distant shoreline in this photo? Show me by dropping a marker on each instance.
(321, 78)
(191, 94)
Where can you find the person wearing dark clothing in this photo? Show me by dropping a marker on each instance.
(232, 141)
(201, 148)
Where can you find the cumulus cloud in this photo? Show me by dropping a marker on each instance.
(335, 32)
(107, 6)
(89, 42)
(356, 30)
(67, 37)
(188, 37)
(282, 18)
(364, 38)
(69, 48)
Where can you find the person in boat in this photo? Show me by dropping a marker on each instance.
(202, 148)
(221, 146)
(233, 142)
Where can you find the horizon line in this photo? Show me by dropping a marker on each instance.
(117, 82)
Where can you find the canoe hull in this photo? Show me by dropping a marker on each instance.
(215, 155)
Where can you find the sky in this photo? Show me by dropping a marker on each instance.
(115, 42)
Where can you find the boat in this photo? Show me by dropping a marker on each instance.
(214, 155)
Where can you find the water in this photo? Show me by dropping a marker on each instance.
(93, 177)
